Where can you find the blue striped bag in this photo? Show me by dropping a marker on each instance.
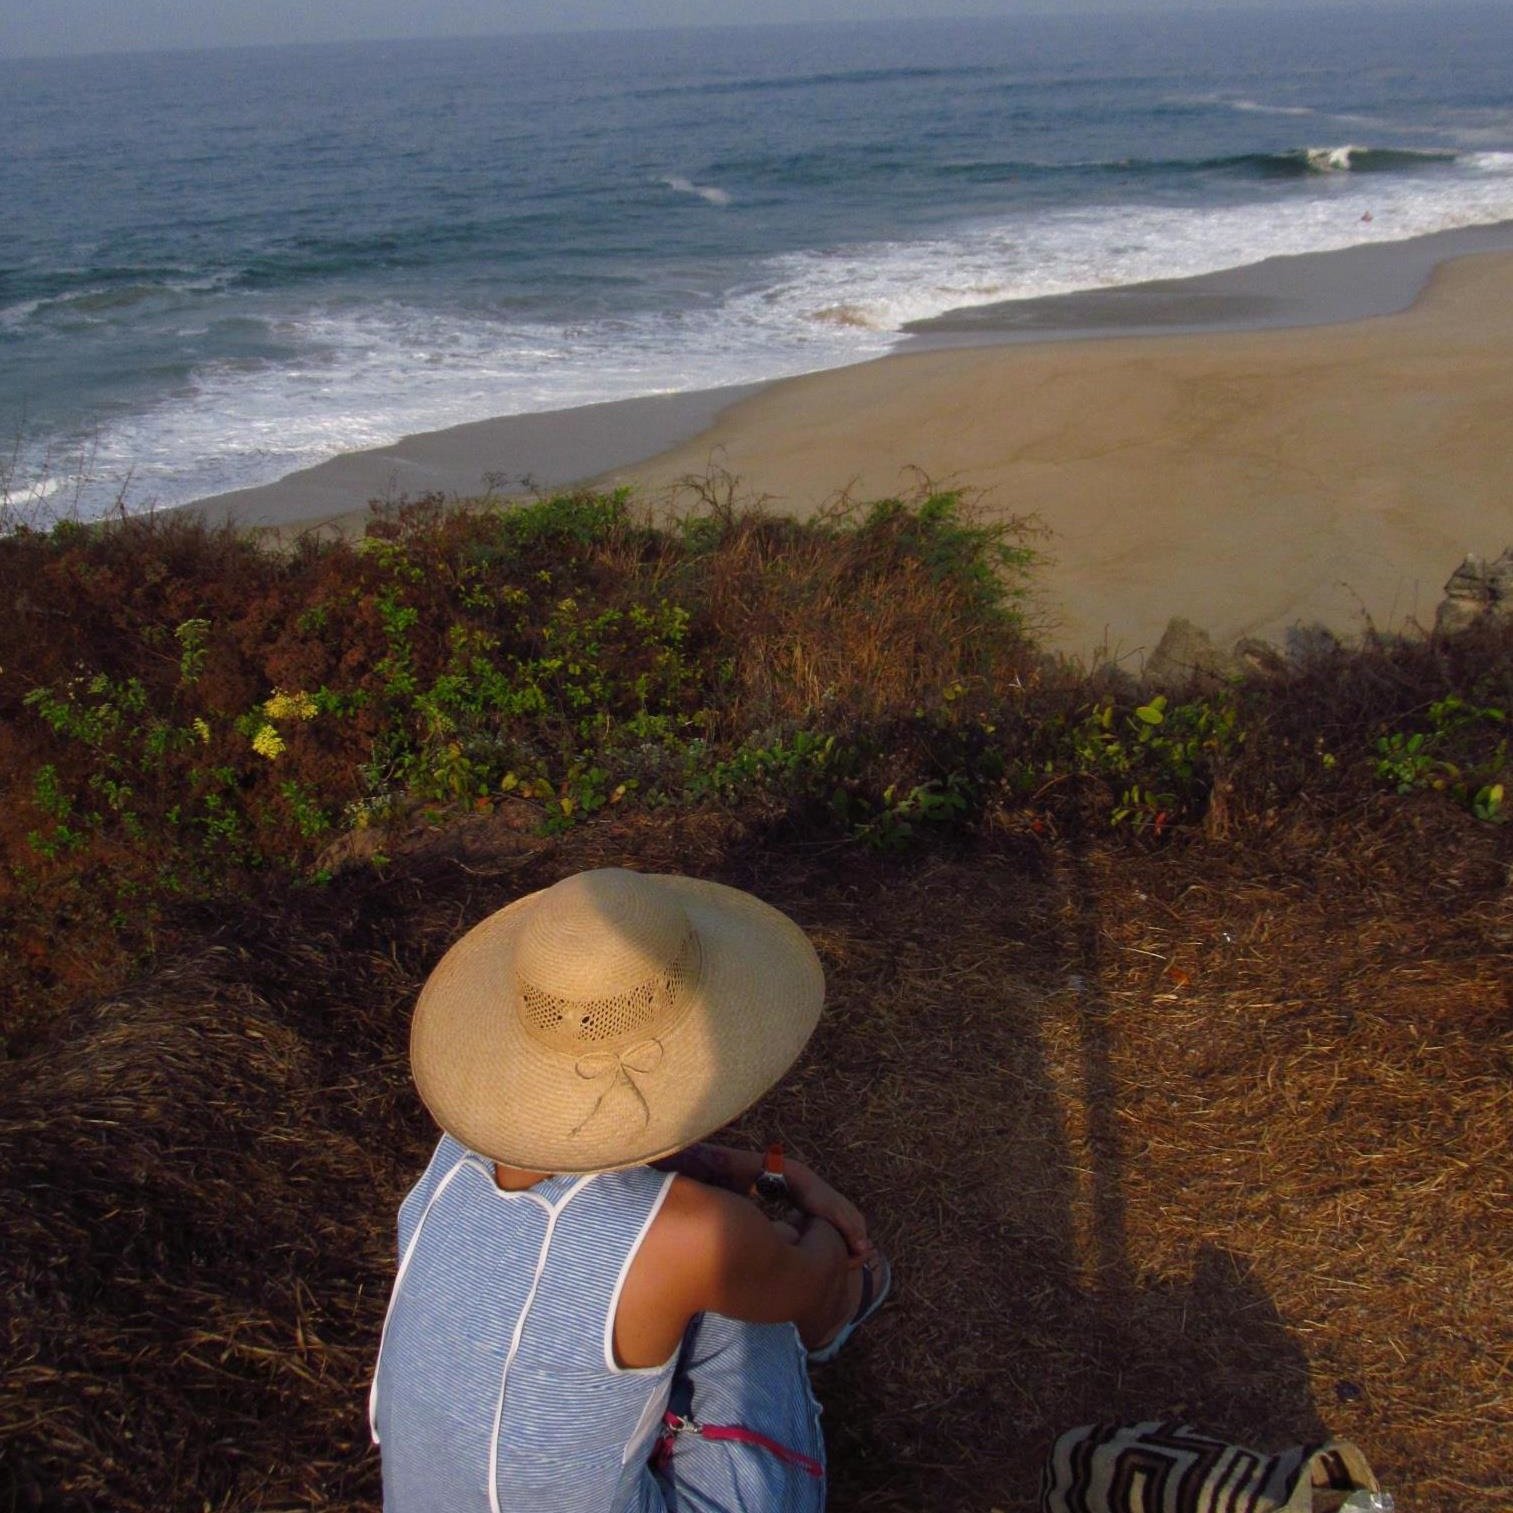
(1170, 1468)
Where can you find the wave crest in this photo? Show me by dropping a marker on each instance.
(710, 193)
(1351, 158)
(853, 316)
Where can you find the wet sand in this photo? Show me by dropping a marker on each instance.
(509, 456)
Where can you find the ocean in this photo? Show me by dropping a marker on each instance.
(218, 267)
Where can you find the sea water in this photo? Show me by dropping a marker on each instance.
(217, 267)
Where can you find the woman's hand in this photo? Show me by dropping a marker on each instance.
(737, 1170)
(814, 1196)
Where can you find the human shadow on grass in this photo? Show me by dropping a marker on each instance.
(966, 1067)
(202, 1176)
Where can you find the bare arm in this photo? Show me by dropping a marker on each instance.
(736, 1171)
(710, 1250)
(714, 1166)
(762, 1277)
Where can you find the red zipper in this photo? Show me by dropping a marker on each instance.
(676, 1425)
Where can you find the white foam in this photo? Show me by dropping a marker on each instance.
(37, 491)
(13, 317)
(35, 483)
(1069, 250)
(1332, 159)
(1260, 108)
(371, 374)
(710, 193)
(106, 295)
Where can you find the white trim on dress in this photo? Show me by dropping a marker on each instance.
(509, 1360)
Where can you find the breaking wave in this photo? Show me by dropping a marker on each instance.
(1353, 159)
(710, 193)
(1349, 157)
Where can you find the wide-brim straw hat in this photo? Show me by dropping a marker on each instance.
(612, 1018)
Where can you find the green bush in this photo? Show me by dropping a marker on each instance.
(183, 707)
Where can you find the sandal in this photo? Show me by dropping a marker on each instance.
(877, 1279)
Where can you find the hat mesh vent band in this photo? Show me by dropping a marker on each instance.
(571, 1024)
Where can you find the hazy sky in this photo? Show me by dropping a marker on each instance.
(39, 27)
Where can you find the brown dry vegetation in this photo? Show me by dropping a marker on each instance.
(1212, 1124)
(569, 650)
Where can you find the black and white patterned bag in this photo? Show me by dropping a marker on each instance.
(1171, 1468)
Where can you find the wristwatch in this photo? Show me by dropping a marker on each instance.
(772, 1181)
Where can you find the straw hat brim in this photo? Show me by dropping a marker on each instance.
(503, 1093)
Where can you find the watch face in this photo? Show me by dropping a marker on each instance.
(772, 1185)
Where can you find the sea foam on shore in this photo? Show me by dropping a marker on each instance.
(228, 268)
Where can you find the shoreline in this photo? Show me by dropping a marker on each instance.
(1311, 440)
(509, 455)
(1279, 293)
(553, 449)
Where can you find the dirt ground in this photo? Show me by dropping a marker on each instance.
(1218, 1130)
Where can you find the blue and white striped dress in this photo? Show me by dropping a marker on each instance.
(496, 1387)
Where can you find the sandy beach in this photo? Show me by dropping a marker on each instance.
(1249, 479)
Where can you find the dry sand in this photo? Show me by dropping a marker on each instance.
(1247, 480)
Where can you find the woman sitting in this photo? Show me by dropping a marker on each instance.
(590, 1313)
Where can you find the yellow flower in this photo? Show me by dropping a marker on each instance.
(268, 742)
(202, 730)
(290, 706)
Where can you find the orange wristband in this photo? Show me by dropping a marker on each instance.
(772, 1181)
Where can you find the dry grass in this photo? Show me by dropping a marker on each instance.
(569, 645)
(858, 623)
(1221, 1131)
(1213, 1126)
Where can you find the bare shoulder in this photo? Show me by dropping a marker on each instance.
(713, 1250)
(699, 1227)
(706, 1241)
(680, 1268)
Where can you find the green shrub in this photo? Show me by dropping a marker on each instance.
(184, 707)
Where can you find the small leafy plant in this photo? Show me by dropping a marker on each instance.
(1459, 750)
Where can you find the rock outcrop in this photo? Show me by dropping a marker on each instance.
(1477, 590)
(1186, 658)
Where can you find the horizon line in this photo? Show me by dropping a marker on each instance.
(1041, 9)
